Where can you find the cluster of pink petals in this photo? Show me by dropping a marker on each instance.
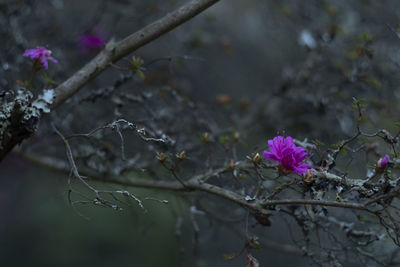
(289, 156)
(41, 55)
(91, 42)
(383, 162)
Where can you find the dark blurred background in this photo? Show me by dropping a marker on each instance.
(293, 66)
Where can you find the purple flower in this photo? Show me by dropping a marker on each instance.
(91, 41)
(383, 162)
(288, 155)
(41, 56)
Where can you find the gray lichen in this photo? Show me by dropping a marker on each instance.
(22, 111)
(40, 105)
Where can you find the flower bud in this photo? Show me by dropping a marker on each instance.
(161, 157)
(308, 177)
(257, 158)
(263, 218)
(223, 99)
(205, 137)
(232, 164)
(181, 155)
(383, 162)
(236, 136)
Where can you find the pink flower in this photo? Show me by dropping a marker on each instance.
(383, 162)
(91, 41)
(288, 155)
(41, 56)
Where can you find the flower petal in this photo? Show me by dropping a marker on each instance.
(270, 156)
(288, 155)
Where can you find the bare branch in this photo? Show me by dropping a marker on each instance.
(99, 200)
(197, 183)
(115, 51)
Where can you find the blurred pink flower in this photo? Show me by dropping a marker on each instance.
(383, 162)
(91, 41)
(41, 56)
(289, 156)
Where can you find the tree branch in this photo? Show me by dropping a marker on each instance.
(111, 53)
(115, 51)
(196, 184)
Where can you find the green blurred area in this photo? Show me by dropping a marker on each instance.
(39, 228)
